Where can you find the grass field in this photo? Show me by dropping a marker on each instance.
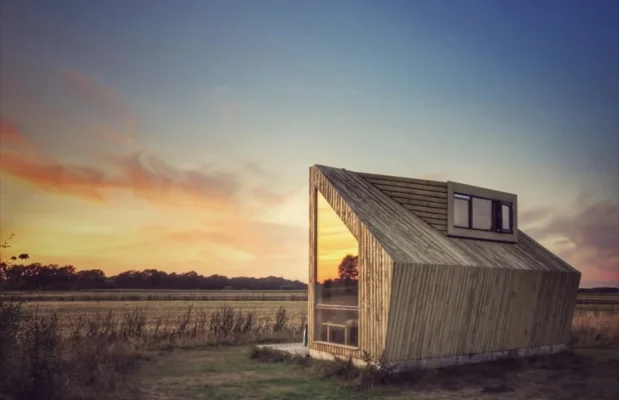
(89, 349)
(609, 300)
(240, 373)
(170, 306)
(165, 309)
(166, 314)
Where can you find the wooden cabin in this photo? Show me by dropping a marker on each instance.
(425, 273)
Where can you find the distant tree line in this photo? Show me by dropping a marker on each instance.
(36, 276)
(599, 290)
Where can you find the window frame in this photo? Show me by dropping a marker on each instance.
(496, 211)
(334, 307)
(497, 232)
(500, 228)
(469, 201)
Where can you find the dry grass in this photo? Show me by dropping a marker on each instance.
(169, 312)
(595, 329)
(83, 350)
(41, 358)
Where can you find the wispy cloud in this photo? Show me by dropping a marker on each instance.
(103, 98)
(10, 135)
(140, 172)
(588, 239)
(210, 218)
(116, 137)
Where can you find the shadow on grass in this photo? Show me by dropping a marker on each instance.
(567, 375)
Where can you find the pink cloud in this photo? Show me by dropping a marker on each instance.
(590, 238)
(104, 98)
(141, 173)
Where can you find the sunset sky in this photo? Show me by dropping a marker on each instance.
(177, 135)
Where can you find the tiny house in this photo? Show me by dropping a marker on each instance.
(426, 273)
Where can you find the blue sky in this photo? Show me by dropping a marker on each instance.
(517, 96)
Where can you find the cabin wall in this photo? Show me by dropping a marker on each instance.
(554, 309)
(375, 269)
(427, 199)
(439, 311)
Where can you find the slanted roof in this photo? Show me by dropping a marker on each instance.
(411, 234)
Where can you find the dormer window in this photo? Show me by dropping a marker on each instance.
(473, 212)
(480, 213)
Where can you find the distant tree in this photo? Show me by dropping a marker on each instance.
(349, 268)
(90, 279)
(5, 266)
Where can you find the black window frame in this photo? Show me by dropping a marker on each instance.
(497, 213)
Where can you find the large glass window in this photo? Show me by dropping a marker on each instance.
(461, 210)
(337, 279)
(482, 214)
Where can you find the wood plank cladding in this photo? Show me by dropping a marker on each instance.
(441, 311)
(424, 294)
(375, 267)
(426, 199)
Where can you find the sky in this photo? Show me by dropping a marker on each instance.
(177, 135)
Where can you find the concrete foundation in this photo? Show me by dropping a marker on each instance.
(448, 361)
(322, 355)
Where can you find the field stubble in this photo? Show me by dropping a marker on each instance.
(165, 312)
(83, 350)
(592, 325)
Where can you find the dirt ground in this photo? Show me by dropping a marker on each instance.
(229, 373)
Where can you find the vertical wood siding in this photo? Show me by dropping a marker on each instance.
(554, 308)
(440, 311)
(375, 268)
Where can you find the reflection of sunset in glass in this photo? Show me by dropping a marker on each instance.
(334, 241)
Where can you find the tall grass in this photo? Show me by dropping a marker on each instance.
(596, 329)
(88, 358)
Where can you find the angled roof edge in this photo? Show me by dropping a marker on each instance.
(391, 224)
(394, 227)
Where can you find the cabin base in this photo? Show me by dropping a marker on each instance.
(323, 355)
(449, 361)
